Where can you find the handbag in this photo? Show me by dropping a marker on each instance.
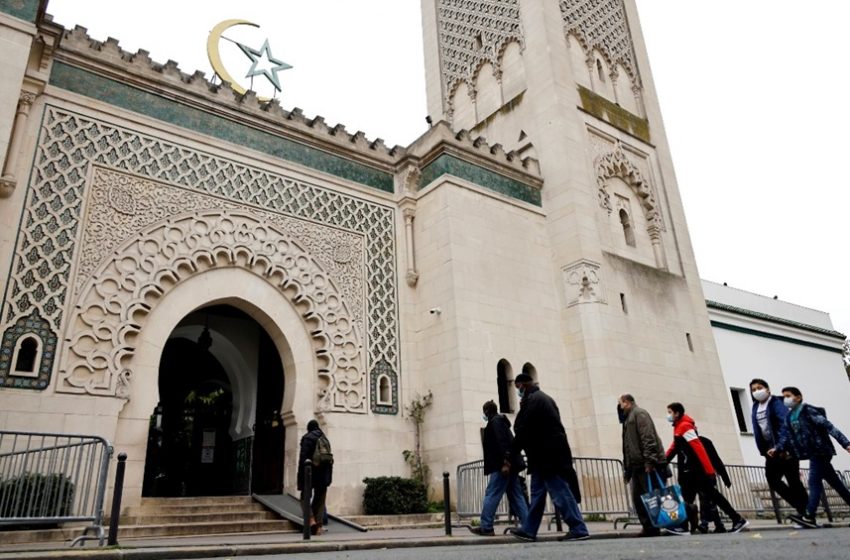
(664, 504)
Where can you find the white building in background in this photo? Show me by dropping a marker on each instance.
(784, 344)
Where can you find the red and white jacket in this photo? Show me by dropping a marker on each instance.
(687, 445)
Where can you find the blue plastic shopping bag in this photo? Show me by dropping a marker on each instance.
(664, 504)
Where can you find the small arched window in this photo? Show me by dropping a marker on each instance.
(503, 379)
(385, 391)
(529, 369)
(600, 71)
(628, 230)
(26, 356)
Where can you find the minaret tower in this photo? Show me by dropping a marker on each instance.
(568, 82)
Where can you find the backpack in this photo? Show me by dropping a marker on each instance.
(322, 454)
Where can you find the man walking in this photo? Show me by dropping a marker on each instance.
(316, 447)
(643, 454)
(550, 462)
(769, 414)
(504, 473)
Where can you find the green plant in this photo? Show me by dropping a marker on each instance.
(37, 495)
(416, 413)
(393, 495)
(436, 507)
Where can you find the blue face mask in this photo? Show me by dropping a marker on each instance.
(520, 392)
(484, 417)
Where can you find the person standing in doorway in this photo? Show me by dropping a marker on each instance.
(768, 415)
(806, 433)
(696, 472)
(541, 434)
(316, 447)
(643, 455)
(504, 473)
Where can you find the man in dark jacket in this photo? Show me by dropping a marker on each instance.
(768, 418)
(806, 433)
(504, 474)
(643, 455)
(322, 475)
(550, 461)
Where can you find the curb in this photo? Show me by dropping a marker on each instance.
(218, 551)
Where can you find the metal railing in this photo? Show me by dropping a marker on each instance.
(50, 478)
(605, 494)
(603, 491)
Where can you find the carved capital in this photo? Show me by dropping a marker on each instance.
(26, 99)
(582, 283)
(412, 277)
(409, 213)
(410, 179)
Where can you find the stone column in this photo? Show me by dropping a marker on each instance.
(412, 275)
(8, 180)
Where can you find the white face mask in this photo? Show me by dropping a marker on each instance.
(670, 418)
(760, 395)
(790, 402)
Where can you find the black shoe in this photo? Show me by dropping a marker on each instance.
(702, 528)
(645, 533)
(570, 536)
(807, 521)
(739, 525)
(482, 532)
(521, 535)
(719, 529)
(678, 531)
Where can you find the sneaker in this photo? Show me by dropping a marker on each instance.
(719, 529)
(678, 531)
(521, 535)
(739, 525)
(570, 536)
(807, 521)
(482, 532)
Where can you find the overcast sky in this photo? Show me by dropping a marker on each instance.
(753, 92)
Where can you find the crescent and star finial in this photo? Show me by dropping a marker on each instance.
(263, 63)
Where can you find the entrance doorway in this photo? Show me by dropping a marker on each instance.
(217, 429)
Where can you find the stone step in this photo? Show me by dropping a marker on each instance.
(188, 509)
(25, 536)
(198, 501)
(211, 528)
(199, 517)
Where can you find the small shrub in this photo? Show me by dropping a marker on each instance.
(37, 495)
(393, 495)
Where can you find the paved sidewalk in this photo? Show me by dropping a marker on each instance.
(217, 546)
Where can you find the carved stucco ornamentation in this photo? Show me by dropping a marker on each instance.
(471, 33)
(617, 164)
(582, 283)
(602, 25)
(114, 303)
(50, 243)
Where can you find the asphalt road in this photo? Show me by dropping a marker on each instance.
(797, 545)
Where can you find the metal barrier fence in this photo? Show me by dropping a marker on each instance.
(602, 489)
(53, 478)
(605, 494)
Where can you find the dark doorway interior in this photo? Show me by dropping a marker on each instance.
(190, 448)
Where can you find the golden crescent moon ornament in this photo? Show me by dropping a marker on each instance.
(215, 56)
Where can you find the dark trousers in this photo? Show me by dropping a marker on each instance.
(705, 486)
(639, 487)
(708, 511)
(775, 469)
(820, 470)
(317, 505)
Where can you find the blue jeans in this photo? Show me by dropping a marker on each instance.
(820, 469)
(562, 498)
(496, 488)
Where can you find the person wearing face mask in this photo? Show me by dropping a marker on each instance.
(503, 467)
(541, 434)
(697, 474)
(643, 454)
(768, 416)
(806, 432)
